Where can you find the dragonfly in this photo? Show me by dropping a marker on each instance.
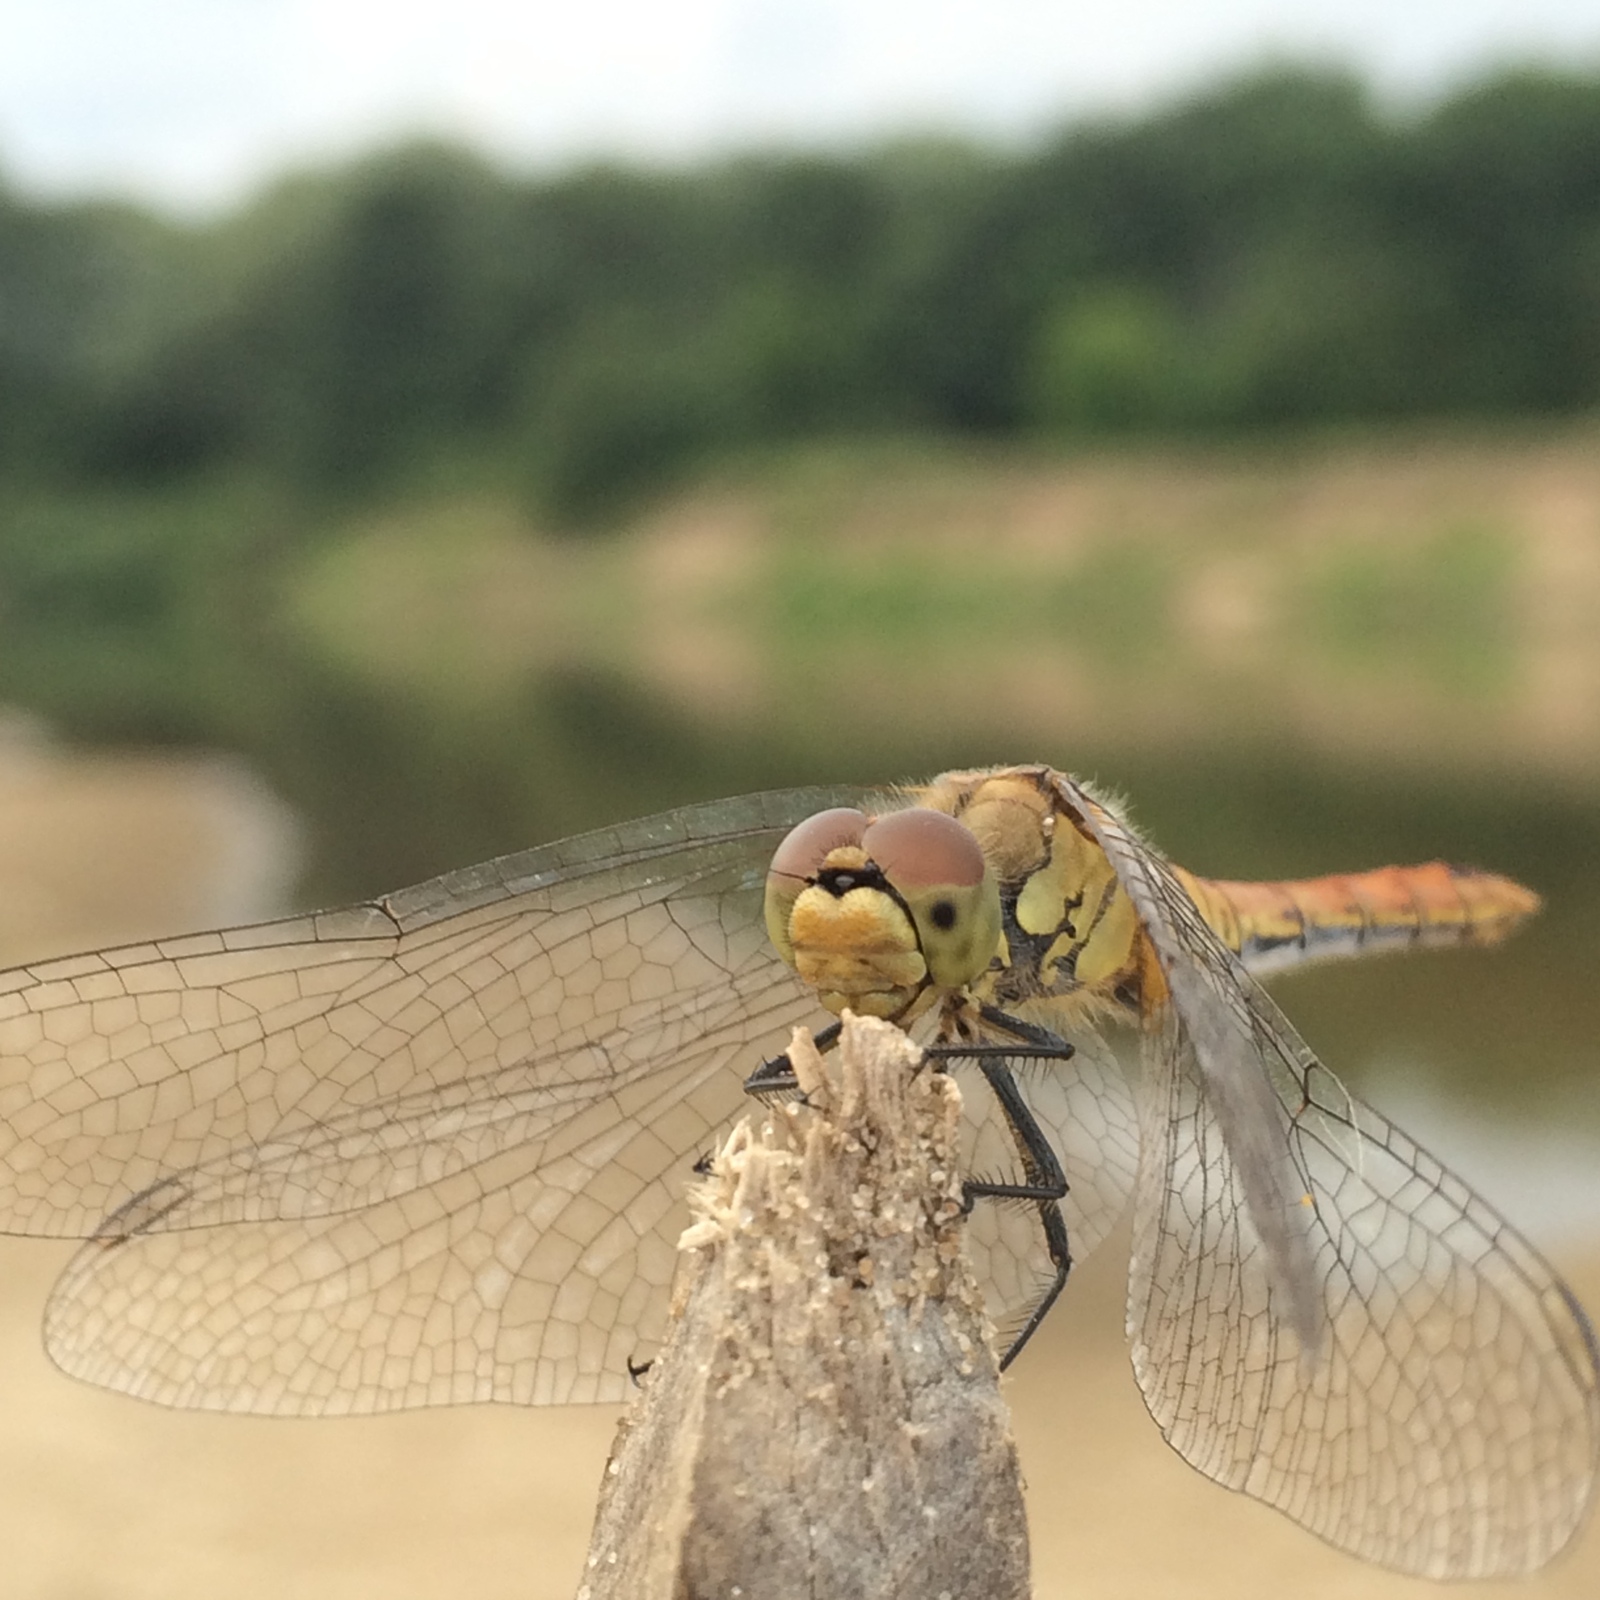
(433, 1149)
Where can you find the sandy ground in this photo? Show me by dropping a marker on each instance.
(102, 1498)
(99, 849)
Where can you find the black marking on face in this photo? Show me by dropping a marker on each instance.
(839, 881)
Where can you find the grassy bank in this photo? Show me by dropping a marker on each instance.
(1424, 599)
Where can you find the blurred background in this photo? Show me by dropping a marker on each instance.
(429, 431)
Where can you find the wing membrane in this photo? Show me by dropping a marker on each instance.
(1448, 1423)
(532, 1277)
(475, 994)
(1322, 1316)
(449, 1132)
(1207, 984)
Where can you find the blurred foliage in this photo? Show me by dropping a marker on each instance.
(184, 408)
(1276, 251)
(1441, 608)
(1110, 361)
(276, 482)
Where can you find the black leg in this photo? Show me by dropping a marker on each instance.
(1045, 1182)
(1043, 1041)
(776, 1077)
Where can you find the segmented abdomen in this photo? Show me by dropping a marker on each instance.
(1272, 926)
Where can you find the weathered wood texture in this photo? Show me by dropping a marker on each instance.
(825, 1420)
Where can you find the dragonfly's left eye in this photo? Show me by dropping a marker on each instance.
(801, 855)
(938, 869)
(798, 860)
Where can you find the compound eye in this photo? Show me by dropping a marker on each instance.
(939, 870)
(797, 861)
(807, 845)
(921, 849)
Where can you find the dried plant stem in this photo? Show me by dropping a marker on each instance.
(825, 1420)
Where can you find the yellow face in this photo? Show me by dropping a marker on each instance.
(876, 914)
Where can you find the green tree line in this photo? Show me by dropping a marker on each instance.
(1279, 251)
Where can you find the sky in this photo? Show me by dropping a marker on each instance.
(193, 104)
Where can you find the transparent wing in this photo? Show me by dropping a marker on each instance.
(1209, 994)
(1448, 1422)
(1086, 1110)
(1442, 1416)
(390, 1043)
(535, 1276)
(448, 1132)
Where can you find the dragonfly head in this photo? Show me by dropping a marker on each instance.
(874, 912)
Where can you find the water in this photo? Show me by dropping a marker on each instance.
(1287, 664)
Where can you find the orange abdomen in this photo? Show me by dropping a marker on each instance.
(1271, 926)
